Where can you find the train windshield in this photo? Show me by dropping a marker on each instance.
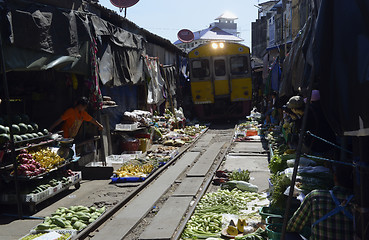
(219, 68)
(200, 68)
(239, 65)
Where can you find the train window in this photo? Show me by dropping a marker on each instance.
(219, 67)
(200, 68)
(239, 65)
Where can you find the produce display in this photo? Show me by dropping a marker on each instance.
(207, 220)
(35, 163)
(29, 166)
(161, 155)
(64, 181)
(135, 170)
(280, 183)
(23, 130)
(47, 158)
(310, 175)
(72, 218)
(240, 175)
(193, 130)
(179, 137)
(247, 131)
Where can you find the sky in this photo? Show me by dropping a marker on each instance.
(166, 17)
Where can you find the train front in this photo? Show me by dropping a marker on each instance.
(221, 84)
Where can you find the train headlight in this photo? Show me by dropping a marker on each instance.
(221, 45)
(214, 45)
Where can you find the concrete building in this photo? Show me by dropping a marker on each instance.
(277, 25)
(260, 29)
(224, 30)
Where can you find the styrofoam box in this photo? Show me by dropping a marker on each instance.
(126, 127)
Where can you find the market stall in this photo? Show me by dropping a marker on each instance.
(149, 142)
(43, 164)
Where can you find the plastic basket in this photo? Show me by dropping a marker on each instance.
(274, 219)
(251, 133)
(268, 211)
(53, 190)
(77, 176)
(274, 231)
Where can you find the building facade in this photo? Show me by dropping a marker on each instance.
(224, 30)
(277, 25)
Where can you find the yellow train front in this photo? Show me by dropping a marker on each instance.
(221, 84)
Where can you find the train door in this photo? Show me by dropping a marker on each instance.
(201, 84)
(240, 71)
(221, 76)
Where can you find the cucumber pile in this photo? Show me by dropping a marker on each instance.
(73, 218)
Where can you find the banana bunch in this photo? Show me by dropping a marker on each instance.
(47, 158)
(134, 170)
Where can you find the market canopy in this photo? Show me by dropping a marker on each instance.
(62, 40)
(341, 63)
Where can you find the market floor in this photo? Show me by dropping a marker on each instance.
(96, 192)
(251, 156)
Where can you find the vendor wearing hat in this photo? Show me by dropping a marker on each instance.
(297, 105)
(295, 109)
(316, 125)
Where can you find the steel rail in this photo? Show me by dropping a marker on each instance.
(181, 228)
(108, 214)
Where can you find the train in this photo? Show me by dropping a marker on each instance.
(221, 82)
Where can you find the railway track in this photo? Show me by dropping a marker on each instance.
(160, 207)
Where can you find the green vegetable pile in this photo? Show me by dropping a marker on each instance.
(280, 184)
(33, 236)
(225, 201)
(240, 175)
(207, 219)
(73, 218)
(202, 226)
(276, 164)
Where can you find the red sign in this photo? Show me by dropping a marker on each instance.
(185, 35)
(123, 3)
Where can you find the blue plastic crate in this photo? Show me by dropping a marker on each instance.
(127, 179)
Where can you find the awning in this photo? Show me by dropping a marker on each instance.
(43, 37)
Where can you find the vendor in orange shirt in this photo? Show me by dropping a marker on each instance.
(74, 117)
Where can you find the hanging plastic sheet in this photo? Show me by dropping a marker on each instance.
(120, 54)
(156, 83)
(275, 76)
(170, 73)
(341, 62)
(294, 66)
(50, 39)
